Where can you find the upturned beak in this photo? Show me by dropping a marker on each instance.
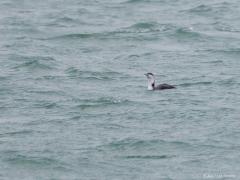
(145, 74)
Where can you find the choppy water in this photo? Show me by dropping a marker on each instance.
(73, 98)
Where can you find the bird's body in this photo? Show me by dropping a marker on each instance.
(152, 86)
(164, 86)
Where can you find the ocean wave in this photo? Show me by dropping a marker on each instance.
(132, 148)
(65, 19)
(143, 25)
(224, 27)
(33, 64)
(73, 72)
(100, 102)
(16, 133)
(148, 157)
(147, 27)
(83, 35)
(200, 9)
(100, 36)
(195, 83)
(136, 144)
(228, 82)
(36, 62)
(142, 1)
(50, 77)
(131, 31)
(213, 9)
(29, 160)
(230, 51)
(3, 78)
(214, 62)
(44, 104)
(187, 33)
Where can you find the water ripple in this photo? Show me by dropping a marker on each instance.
(148, 157)
(103, 101)
(195, 83)
(88, 75)
(35, 62)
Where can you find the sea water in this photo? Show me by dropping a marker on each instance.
(74, 102)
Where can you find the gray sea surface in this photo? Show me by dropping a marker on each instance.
(74, 102)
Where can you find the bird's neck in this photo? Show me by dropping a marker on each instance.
(151, 85)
